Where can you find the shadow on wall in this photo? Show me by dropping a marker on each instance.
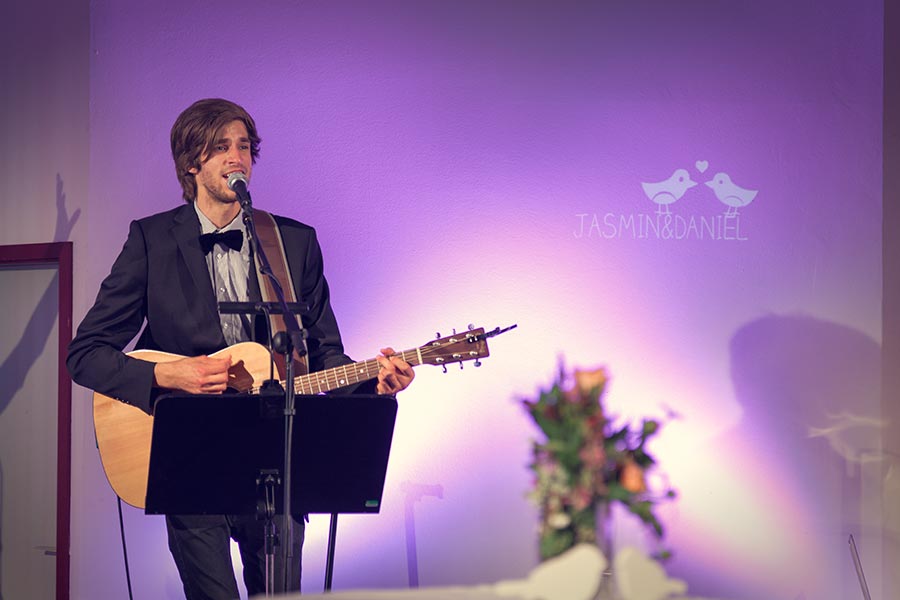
(811, 385)
(37, 331)
(782, 490)
(34, 338)
(810, 391)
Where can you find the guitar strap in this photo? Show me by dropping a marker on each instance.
(269, 237)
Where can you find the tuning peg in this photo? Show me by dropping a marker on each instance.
(454, 331)
(471, 327)
(437, 335)
(444, 367)
(460, 366)
(477, 362)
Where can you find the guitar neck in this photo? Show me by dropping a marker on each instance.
(344, 375)
(456, 348)
(349, 374)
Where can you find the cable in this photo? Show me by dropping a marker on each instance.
(124, 548)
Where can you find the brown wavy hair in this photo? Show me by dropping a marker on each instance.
(194, 134)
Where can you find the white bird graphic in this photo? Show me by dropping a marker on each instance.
(730, 194)
(666, 192)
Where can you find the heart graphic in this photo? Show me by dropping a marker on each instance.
(702, 165)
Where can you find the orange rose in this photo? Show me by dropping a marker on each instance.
(632, 477)
(586, 381)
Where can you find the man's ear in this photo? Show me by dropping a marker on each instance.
(193, 170)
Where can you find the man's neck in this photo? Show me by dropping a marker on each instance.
(220, 213)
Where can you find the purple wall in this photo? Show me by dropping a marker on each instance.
(471, 162)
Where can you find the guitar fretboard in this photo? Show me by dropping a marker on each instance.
(344, 375)
(451, 349)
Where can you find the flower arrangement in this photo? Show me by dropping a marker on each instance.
(587, 462)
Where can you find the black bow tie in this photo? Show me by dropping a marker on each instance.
(232, 238)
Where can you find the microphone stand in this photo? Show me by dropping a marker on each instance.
(284, 343)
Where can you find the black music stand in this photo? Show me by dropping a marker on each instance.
(208, 451)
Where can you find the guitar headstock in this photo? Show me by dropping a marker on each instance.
(456, 348)
(459, 347)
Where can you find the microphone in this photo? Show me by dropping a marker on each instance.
(237, 182)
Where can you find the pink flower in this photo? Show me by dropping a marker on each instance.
(581, 498)
(592, 455)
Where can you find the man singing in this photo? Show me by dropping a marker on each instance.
(171, 272)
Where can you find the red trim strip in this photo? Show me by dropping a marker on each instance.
(59, 254)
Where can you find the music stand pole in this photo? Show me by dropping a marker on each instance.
(294, 338)
(266, 483)
(290, 411)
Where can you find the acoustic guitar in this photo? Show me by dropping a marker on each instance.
(124, 431)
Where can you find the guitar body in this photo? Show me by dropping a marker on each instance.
(124, 431)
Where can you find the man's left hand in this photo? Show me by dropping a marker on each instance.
(395, 375)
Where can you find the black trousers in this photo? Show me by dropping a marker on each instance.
(200, 545)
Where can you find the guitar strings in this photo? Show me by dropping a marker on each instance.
(309, 382)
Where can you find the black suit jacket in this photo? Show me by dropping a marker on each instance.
(160, 281)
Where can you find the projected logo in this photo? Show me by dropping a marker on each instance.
(670, 223)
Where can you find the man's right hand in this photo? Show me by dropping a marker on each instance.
(197, 375)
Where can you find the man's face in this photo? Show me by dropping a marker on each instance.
(230, 153)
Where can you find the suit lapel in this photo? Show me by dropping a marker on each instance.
(186, 231)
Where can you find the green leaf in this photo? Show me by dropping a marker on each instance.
(619, 434)
(662, 555)
(617, 492)
(556, 541)
(644, 510)
(643, 459)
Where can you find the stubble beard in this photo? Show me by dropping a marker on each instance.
(220, 196)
